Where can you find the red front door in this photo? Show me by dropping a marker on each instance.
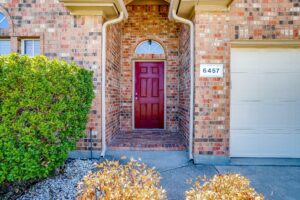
(149, 95)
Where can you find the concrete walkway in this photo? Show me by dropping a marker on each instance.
(274, 182)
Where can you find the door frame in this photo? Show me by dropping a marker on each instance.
(165, 92)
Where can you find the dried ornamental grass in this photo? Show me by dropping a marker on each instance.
(113, 181)
(223, 187)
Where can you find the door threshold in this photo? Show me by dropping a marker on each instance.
(151, 129)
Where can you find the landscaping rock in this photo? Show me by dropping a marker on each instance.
(63, 186)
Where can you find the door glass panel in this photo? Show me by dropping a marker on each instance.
(149, 47)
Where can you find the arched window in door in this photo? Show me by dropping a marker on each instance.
(149, 47)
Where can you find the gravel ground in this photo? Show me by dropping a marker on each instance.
(63, 186)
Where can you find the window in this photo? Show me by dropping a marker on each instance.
(3, 21)
(149, 47)
(31, 47)
(4, 47)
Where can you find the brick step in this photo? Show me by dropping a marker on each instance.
(148, 140)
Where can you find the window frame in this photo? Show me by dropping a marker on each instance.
(23, 46)
(146, 41)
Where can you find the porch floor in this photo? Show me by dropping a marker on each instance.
(148, 140)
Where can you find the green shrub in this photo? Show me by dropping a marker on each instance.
(44, 106)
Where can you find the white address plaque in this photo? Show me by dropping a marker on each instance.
(212, 70)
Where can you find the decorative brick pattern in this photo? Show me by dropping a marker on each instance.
(149, 22)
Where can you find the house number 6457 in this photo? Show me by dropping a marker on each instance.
(211, 70)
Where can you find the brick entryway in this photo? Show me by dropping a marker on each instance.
(148, 140)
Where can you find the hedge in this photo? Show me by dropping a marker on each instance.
(44, 106)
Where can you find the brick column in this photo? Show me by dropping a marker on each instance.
(87, 48)
(211, 134)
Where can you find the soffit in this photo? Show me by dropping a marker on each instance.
(106, 8)
(187, 7)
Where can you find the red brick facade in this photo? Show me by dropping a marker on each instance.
(211, 94)
(78, 39)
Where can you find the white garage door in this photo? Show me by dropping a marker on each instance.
(265, 103)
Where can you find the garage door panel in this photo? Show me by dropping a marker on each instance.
(246, 89)
(270, 145)
(270, 64)
(237, 138)
(251, 115)
(265, 131)
(262, 61)
(237, 66)
(278, 116)
(280, 87)
(244, 116)
(265, 87)
(287, 62)
(265, 103)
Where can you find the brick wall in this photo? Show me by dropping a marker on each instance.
(211, 94)
(113, 76)
(246, 20)
(184, 81)
(149, 22)
(72, 38)
(265, 19)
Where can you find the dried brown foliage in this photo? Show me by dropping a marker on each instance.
(113, 181)
(223, 187)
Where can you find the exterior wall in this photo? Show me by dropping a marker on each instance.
(78, 39)
(113, 76)
(149, 22)
(246, 20)
(184, 82)
(72, 38)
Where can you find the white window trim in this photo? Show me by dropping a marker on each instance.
(23, 45)
(8, 39)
